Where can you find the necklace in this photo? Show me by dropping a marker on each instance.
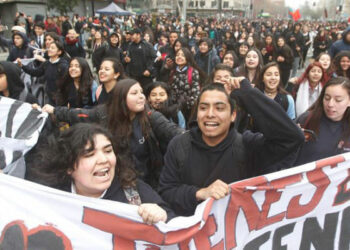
(270, 94)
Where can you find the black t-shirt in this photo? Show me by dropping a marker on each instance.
(73, 98)
(104, 96)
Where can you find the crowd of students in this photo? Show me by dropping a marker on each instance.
(183, 109)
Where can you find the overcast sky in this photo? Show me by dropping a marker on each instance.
(297, 3)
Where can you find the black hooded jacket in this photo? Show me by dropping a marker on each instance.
(23, 52)
(108, 50)
(14, 83)
(235, 158)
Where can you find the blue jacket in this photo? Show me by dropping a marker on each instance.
(340, 45)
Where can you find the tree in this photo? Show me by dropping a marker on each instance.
(62, 6)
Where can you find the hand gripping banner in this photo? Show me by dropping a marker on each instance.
(307, 207)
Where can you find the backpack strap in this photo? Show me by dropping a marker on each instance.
(98, 92)
(189, 75)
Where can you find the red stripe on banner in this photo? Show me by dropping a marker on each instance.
(207, 209)
(181, 235)
(123, 227)
(241, 198)
(122, 244)
(274, 195)
(129, 230)
(331, 161)
(202, 238)
(83, 115)
(321, 181)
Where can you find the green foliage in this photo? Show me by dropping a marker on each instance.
(62, 6)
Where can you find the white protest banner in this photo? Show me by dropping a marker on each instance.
(307, 207)
(20, 126)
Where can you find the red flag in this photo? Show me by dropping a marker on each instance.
(296, 15)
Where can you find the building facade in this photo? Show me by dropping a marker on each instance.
(201, 7)
(8, 8)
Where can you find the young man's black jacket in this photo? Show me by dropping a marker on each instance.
(277, 137)
(107, 50)
(142, 57)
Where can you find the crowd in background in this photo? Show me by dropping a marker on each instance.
(234, 84)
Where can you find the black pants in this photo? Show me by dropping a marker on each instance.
(285, 76)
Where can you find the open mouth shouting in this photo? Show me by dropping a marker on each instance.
(211, 125)
(102, 172)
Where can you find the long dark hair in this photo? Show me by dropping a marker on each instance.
(53, 35)
(261, 85)
(59, 156)
(119, 122)
(317, 110)
(243, 70)
(85, 83)
(234, 56)
(336, 63)
(183, 42)
(168, 108)
(117, 67)
(191, 62)
(15, 84)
